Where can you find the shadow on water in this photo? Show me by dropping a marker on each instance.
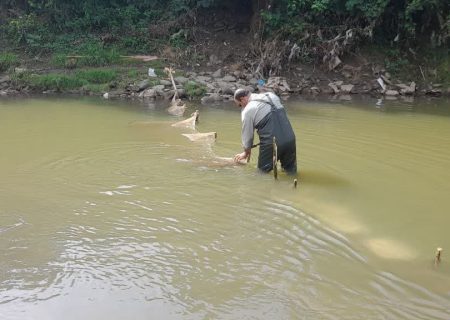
(321, 178)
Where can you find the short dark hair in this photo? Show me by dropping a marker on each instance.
(240, 93)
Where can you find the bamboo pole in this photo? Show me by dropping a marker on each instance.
(275, 158)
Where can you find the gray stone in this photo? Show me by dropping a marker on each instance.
(407, 90)
(203, 79)
(5, 79)
(168, 95)
(334, 87)
(347, 88)
(213, 59)
(159, 87)
(113, 94)
(238, 74)
(217, 74)
(165, 82)
(249, 88)
(347, 74)
(148, 93)
(181, 80)
(329, 90)
(225, 87)
(435, 92)
(212, 98)
(181, 93)
(277, 84)
(392, 93)
(229, 78)
(144, 84)
(211, 86)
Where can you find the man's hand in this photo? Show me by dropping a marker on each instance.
(241, 156)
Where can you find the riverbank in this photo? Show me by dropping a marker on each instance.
(217, 48)
(212, 81)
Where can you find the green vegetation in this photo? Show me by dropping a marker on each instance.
(96, 88)
(194, 89)
(395, 61)
(7, 61)
(90, 26)
(96, 33)
(97, 76)
(407, 22)
(90, 55)
(51, 81)
(443, 70)
(93, 80)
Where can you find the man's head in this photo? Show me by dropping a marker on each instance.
(241, 97)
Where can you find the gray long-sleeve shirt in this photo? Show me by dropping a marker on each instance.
(254, 112)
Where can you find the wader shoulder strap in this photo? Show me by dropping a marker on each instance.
(270, 102)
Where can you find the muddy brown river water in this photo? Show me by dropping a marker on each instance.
(108, 212)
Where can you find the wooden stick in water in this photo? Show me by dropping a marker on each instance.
(274, 160)
(177, 108)
(437, 259)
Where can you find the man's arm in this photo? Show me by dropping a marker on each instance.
(244, 155)
(248, 131)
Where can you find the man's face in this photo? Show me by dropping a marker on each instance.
(240, 102)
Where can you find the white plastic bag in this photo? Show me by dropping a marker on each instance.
(151, 72)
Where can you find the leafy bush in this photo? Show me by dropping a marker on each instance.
(7, 60)
(410, 19)
(194, 89)
(93, 28)
(27, 32)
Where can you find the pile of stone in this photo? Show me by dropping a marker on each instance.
(220, 87)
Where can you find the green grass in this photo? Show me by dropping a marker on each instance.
(95, 80)
(90, 54)
(95, 55)
(97, 76)
(133, 73)
(59, 82)
(194, 90)
(58, 60)
(96, 87)
(8, 60)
